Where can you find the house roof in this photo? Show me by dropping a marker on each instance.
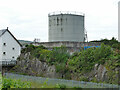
(4, 30)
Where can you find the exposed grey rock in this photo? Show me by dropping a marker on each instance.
(38, 68)
(35, 67)
(101, 73)
(96, 65)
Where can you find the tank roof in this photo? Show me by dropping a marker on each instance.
(66, 13)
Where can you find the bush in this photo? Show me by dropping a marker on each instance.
(12, 83)
(77, 88)
(85, 60)
(116, 46)
(58, 55)
(83, 78)
(62, 86)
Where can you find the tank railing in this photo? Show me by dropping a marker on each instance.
(66, 12)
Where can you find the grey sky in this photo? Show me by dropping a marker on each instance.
(28, 19)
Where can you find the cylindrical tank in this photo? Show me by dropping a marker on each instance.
(66, 27)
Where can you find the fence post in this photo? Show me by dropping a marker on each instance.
(72, 83)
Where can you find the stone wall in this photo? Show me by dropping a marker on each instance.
(67, 44)
(71, 46)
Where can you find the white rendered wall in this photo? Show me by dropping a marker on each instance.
(66, 27)
(0, 48)
(8, 48)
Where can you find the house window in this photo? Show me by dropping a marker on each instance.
(61, 29)
(4, 44)
(13, 48)
(4, 53)
(57, 21)
(13, 57)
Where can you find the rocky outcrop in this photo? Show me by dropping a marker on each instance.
(100, 72)
(29, 65)
(34, 67)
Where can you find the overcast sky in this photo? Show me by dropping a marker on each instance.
(28, 19)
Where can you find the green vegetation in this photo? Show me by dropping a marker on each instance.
(113, 42)
(58, 56)
(84, 61)
(0, 81)
(13, 83)
(23, 42)
(80, 63)
(8, 83)
(62, 86)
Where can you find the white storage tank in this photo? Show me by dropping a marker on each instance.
(66, 26)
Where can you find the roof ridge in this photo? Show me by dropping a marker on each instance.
(4, 30)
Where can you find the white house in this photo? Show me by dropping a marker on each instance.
(10, 48)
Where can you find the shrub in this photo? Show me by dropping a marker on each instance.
(62, 86)
(83, 78)
(77, 88)
(85, 60)
(12, 83)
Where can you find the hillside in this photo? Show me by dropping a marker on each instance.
(24, 42)
(100, 64)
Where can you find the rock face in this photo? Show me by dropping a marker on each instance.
(29, 65)
(100, 72)
(35, 67)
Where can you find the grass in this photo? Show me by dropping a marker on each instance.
(38, 85)
(0, 81)
(18, 83)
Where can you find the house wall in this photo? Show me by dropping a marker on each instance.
(0, 48)
(10, 53)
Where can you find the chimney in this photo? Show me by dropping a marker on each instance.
(7, 28)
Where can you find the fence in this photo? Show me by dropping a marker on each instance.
(69, 83)
(8, 62)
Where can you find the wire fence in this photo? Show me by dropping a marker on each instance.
(52, 81)
(7, 62)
